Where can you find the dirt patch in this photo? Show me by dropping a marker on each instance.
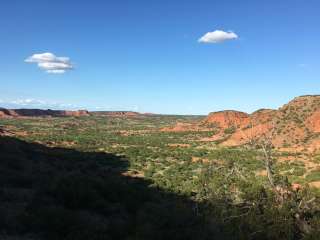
(133, 174)
(200, 160)
(315, 184)
(262, 173)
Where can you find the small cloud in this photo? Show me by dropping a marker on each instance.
(217, 36)
(50, 63)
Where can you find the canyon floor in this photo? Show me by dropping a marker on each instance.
(144, 176)
(153, 150)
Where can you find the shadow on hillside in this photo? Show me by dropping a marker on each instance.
(56, 193)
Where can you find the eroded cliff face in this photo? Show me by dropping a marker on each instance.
(64, 113)
(296, 125)
(227, 119)
(41, 113)
(313, 122)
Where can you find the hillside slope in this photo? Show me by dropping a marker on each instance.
(293, 127)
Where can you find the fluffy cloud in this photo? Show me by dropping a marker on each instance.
(50, 63)
(217, 36)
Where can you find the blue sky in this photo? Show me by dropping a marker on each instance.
(145, 55)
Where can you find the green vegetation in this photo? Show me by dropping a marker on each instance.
(230, 130)
(123, 178)
(313, 176)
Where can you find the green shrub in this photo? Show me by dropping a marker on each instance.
(230, 130)
(313, 176)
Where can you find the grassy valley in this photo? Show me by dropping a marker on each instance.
(118, 177)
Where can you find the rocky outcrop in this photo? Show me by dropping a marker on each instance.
(263, 115)
(227, 119)
(116, 113)
(295, 125)
(63, 113)
(7, 113)
(41, 113)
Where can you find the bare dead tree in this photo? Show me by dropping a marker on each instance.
(260, 139)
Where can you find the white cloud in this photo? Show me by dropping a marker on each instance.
(217, 36)
(50, 63)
